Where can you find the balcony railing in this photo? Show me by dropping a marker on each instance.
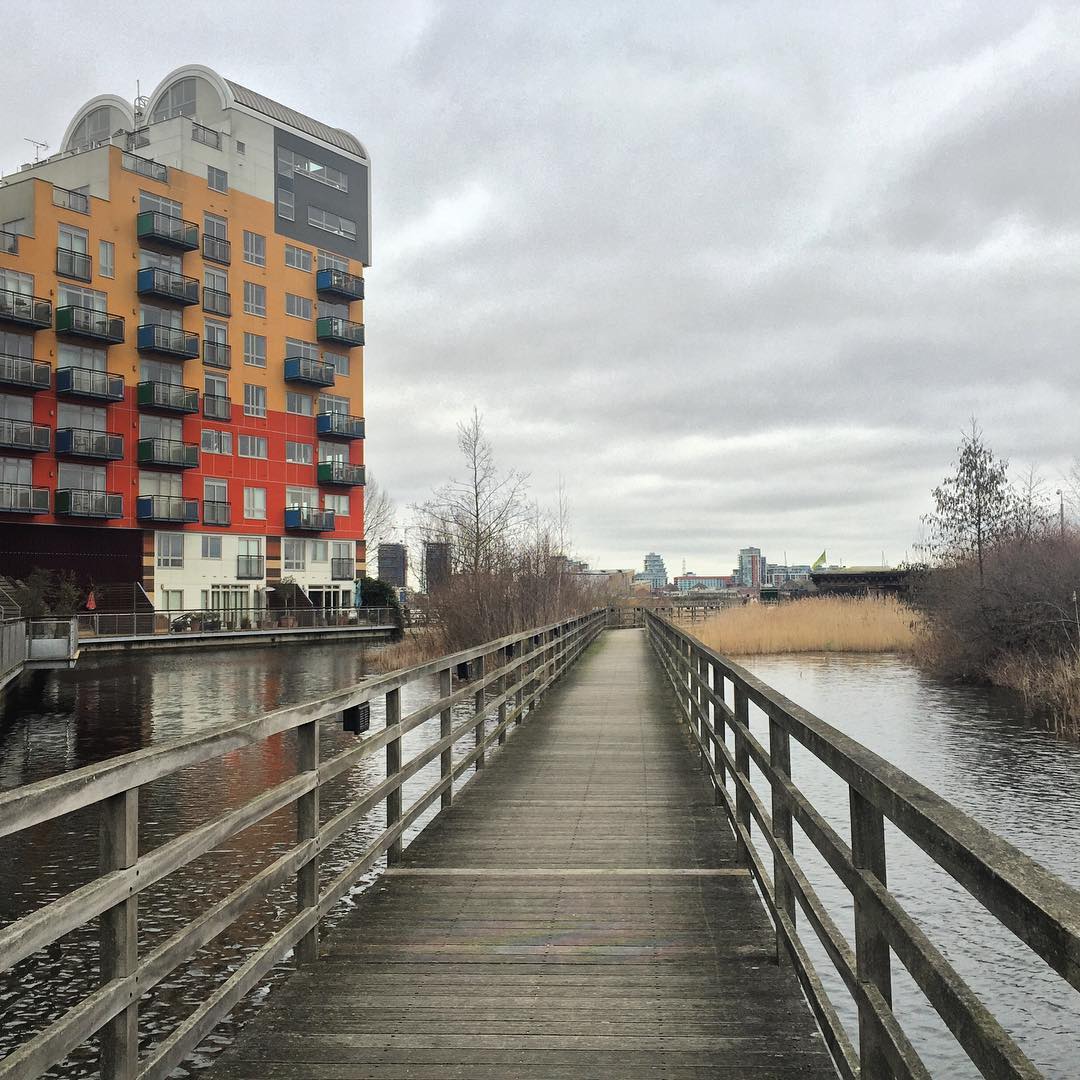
(341, 331)
(340, 424)
(74, 264)
(71, 200)
(23, 435)
(216, 512)
(339, 284)
(23, 373)
(216, 250)
(166, 508)
(302, 369)
(87, 383)
(9, 242)
(168, 340)
(168, 453)
(25, 310)
(217, 354)
(154, 227)
(216, 302)
(169, 396)
(309, 518)
(153, 281)
(217, 407)
(249, 567)
(77, 321)
(341, 472)
(206, 136)
(342, 569)
(79, 502)
(84, 443)
(143, 166)
(23, 499)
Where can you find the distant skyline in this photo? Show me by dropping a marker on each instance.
(737, 276)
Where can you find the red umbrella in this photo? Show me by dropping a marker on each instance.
(91, 603)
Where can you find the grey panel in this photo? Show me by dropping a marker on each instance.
(283, 114)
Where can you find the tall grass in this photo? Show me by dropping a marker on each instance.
(820, 624)
(419, 645)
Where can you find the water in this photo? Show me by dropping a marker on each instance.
(970, 745)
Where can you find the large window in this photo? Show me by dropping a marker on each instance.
(293, 554)
(298, 404)
(307, 349)
(329, 260)
(300, 306)
(84, 356)
(160, 483)
(338, 361)
(255, 503)
(338, 503)
(150, 200)
(215, 226)
(80, 297)
(332, 403)
(15, 471)
(302, 496)
(216, 442)
(331, 222)
(178, 100)
(254, 350)
(254, 298)
(290, 163)
(86, 477)
(333, 451)
(88, 417)
(254, 400)
(215, 279)
(211, 546)
(254, 248)
(13, 281)
(298, 258)
(253, 446)
(170, 549)
(299, 453)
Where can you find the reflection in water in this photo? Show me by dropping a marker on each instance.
(972, 747)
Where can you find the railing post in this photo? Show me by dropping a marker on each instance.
(524, 647)
(446, 759)
(119, 849)
(504, 658)
(871, 946)
(393, 765)
(742, 769)
(720, 729)
(780, 760)
(307, 828)
(703, 711)
(479, 708)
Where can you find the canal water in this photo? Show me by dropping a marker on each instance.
(970, 745)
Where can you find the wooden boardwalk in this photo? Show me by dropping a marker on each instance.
(577, 913)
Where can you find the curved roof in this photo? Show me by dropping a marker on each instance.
(118, 103)
(196, 70)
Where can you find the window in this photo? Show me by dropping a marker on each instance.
(106, 258)
(155, 483)
(300, 306)
(215, 490)
(172, 600)
(254, 400)
(318, 551)
(328, 260)
(16, 344)
(255, 503)
(163, 371)
(151, 313)
(290, 163)
(215, 226)
(293, 554)
(338, 503)
(80, 416)
(178, 100)
(331, 222)
(217, 333)
(297, 258)
(215, 279)
(216, 442)
(333, 403)
(160, 427)
(95, 127)
(307, 349)
(216, 179)
(72, 238)
(339, 363)
(254, 248)
(302, 496)
(156, 259)
(254, 299)
(286, 205)
(332, 451)
(334, 311)
(170, 549)
(299, 453)
(215, 386)
(297, 404)
(211, 547)
(74, 294)
(253, 446)
(84, 477)
(15, 471)
(84, 356)
(254, 350)
(149, 200)
(241, 148)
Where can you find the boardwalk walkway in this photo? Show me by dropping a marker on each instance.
(577, 913)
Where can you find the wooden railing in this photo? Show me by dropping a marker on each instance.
(714, 696)
(504, 680)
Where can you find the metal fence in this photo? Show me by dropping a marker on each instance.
(12, 647)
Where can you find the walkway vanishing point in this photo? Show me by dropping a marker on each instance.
(616, 893)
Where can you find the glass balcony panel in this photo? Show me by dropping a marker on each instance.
(80, 502)
(340, 424)
(217, 354)
(84, 382)
(23, 499)
(170, 396)
(24, 374)
(25, 310)
(23, 435)
(164, 230)
(85, 322)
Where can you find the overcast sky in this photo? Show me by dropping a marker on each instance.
(737, 272)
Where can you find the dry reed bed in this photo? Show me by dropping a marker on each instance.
(817, 624)
(416, 647)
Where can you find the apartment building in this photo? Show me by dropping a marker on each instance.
(181, 349)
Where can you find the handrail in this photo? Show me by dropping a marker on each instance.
(1040, 909)
(523, 666)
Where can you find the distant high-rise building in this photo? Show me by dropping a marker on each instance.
(436, 565)
(393, 564)
(752, 567)
(655, 573)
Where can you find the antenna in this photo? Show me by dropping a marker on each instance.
(38, 147)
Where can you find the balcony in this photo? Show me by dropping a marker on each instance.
(215, 512)
(217, 407)
(22, 373)
(85, 383)
(216, 250)
(152, 170)
(217, 354)
(84, 443)
(309, 519)
(168, 453)
(79, 502)
(166, 508)
(23, 499)
(165, 285)
(342, 473)
(249, 567)
(9, 243)
(302, 369)
(84, 322)
(339, 285)
(155, 229)
(74, 264)
(168, 397)
(342, 569)
(340, 425)
(71, 200)
(24, 311)
(216, 302)
(340, 331)
(168, 340)
(23, 435)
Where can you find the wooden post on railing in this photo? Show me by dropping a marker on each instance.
(872, 961)
(720, 727)
(393, 765)
(524, 647)
(703, 710)
(307, 828)
(119, 849)
(742, 769)
(446, 759)
(780, 760)
(504, 659)
(479, 708)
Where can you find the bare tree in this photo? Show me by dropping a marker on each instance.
(380, 516)
(1032, 513)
